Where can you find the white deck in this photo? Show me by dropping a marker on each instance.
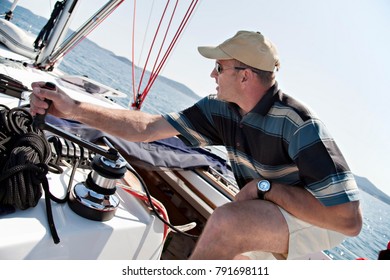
(132, 234)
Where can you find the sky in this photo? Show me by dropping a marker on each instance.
(334, 57)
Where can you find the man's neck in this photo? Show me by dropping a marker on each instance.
(251, 99)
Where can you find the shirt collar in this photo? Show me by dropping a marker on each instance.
(268, 100)
(272, 95)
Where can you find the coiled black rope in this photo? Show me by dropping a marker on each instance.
(24, 162)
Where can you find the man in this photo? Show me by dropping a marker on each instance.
(297, 194)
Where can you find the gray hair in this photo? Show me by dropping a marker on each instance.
(267, 78)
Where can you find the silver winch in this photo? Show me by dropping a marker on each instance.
(95, 198)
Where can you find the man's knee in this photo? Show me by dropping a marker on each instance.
(223, 216)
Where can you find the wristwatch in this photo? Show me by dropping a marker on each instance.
(263, 186)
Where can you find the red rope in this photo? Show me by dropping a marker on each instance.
(165, 37)
(170, 48)
(157, 204)
(158, 65)
(132, 52)
(151, 47)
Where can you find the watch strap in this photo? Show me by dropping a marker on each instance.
(260, 194)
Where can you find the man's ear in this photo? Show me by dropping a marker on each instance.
(245, 76)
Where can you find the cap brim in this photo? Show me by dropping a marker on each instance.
(213, 53)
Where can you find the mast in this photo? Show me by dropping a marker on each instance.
(51, 54)
(9, 15)
(60, 28)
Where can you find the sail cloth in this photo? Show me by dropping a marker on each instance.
(169, 153)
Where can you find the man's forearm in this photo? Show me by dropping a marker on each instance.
(131, 125)
(344, 218)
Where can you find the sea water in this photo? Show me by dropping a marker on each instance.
(102, 65)
(374, 235)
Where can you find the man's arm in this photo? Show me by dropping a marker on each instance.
(345, 218)
(131, 125)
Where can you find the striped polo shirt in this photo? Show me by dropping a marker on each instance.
(280, 140)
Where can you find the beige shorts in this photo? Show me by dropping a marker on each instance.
(306, 241)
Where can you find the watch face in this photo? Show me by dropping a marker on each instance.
(263, 185)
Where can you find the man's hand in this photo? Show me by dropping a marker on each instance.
(248, 192)
(62, 104)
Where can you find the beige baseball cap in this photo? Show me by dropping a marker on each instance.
(251, 48)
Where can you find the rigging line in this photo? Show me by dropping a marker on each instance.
(151, 47)
(173, 43)
(170, 48)
(132, 52)
(142, 46)
(165, 37)
(146, 32)
(139, 98)
(155, 74)
(86, 34)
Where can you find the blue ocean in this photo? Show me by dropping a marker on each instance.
(168, 96)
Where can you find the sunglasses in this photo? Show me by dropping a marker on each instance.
(219, 68)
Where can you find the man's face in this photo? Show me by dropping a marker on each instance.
(226, 76)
